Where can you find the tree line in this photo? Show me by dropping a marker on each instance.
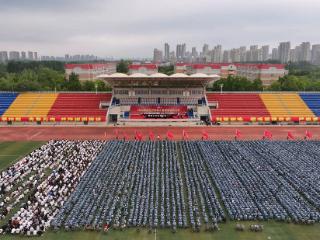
(43, 76)
(50, 76)
(301, 77)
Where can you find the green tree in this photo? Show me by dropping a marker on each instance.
(169, 70)
(123, 66)
(73, 84)
(236, 83)
(88, 86)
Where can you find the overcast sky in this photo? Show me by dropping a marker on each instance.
(132, 28)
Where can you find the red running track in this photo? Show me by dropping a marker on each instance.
(215, 133)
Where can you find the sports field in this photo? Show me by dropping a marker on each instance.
(12, 151)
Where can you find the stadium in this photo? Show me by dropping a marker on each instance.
(160, 157)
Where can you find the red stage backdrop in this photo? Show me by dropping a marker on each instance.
(154, 110)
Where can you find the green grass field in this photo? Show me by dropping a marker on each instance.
(13, 151)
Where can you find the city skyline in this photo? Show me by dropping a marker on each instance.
(285, 52)
(132, 28)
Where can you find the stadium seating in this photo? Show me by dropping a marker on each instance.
(149, 101)
(313, 101)
(5, 101)
(244, 105)
(31, 105)
(286, 105)
(79, 105)
(158, 101)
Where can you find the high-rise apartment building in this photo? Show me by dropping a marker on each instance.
(274, 54)
(235, 55)
(14, 55)
(315, 54)
(217, 54)
(226, 56)
(166, 51)
(305, 54)
(183, 50)
(265, 53)
(23, 56)
(194, 53)
(30, 55)
(4, 56)
(284, 52)
(205, 50)
(243, 51)
(157, 56)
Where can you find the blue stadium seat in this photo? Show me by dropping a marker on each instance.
(5, 101)
(313, 101)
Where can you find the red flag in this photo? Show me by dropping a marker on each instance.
(106, 227)
(238, 133)
(116, 133)
(151, 135)
(138, 136)
(205, 135)
(169, 135)
(290, 136)
(308, 134)
(126, 137)
(185, 135)
(267, 134)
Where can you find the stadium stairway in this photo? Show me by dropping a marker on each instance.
(6, 100)
(237, 105)
(79, 105)
(31, 105)
(312, 100)
(286, 105)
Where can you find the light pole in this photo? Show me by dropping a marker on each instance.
(221, 88)
(96, 86)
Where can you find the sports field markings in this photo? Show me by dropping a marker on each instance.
(34, 135)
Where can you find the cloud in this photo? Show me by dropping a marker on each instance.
(127, 28)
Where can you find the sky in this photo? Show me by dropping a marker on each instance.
(133, 28)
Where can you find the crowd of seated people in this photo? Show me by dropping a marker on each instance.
(37, 193)
(140, 184)
(160, 184)
(257, 179)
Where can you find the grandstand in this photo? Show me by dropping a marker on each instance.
(139, 98)
(178, 99)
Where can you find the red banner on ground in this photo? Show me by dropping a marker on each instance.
(238, 134)
(151, 135)
(170, 135)
(290, 136)
(308, 135)
(185, 135)
(205, 135)
(267, 134)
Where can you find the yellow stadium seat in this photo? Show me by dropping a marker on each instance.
(282, 105)
(30, 105)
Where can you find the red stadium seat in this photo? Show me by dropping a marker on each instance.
(235, 105)
(79, 105)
